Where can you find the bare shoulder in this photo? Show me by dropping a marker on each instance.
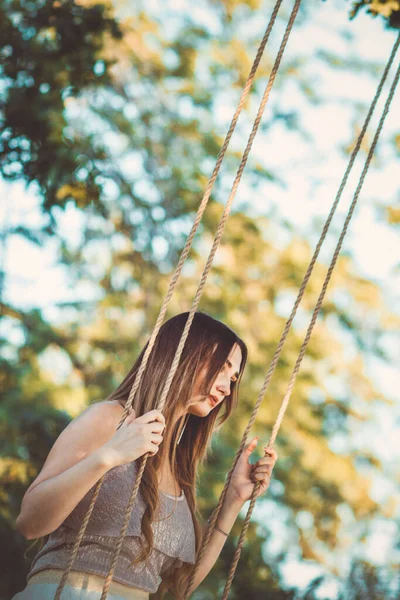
(106, 406)
(98, 421)
(93, 428)
(112, 403)
(98, 418)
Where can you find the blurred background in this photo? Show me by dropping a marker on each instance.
(112, 115)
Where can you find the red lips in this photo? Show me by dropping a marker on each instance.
(214, 400)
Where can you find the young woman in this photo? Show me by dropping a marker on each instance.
(164, 533)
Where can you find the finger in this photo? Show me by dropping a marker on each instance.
(153, 449)
(130, 417)
(262, 469)
(260, 477)
(267, 460)
(155, 427)
(269, 451)
(250, 447)
(152, 415)
(155, 415)
(156, 439)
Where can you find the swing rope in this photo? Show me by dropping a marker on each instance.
(167, 299)
(214, 517)
(196, 301)
(286, 398)
(215, 514)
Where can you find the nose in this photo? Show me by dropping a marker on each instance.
(223, 389)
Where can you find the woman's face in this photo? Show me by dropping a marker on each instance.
(221, 386)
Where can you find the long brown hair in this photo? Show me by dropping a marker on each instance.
(206, 350)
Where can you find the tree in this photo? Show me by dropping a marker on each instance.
(51, 51)
(127, 149)
(390, 11)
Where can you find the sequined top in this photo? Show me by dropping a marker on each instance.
(173, 531)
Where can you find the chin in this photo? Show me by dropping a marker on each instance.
(202, 409)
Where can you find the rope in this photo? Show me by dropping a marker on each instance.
(214, 517)
(286, 398)
(196, 301)
(172, 285)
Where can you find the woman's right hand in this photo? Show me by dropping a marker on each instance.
(136, 437)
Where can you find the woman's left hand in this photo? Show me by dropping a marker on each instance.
(245, 475)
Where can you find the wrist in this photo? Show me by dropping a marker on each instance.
(218, 528)
(233, 500)
(106, 457)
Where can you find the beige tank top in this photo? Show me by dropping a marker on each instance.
(173, 530)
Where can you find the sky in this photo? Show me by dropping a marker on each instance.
(34, 278)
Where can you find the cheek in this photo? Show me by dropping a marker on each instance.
(200, 381)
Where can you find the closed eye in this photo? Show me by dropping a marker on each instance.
(236, 375)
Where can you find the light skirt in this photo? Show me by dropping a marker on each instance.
(79, 586)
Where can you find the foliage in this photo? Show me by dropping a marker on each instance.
(388, 9)
(50, 51)
(119, 133)
(364, 582)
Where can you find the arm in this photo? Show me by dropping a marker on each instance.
(240, 489)
(60, 495)
(88, 448)
(75, 463)
(226, 518)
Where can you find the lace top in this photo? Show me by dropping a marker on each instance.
(173, 531)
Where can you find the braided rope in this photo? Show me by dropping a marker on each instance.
(196, 301)
(214, 517)
(172, 285)
(286, 398)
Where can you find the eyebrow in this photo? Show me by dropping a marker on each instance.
(230, 365)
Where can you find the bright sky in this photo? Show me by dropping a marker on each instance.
(34, 278)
